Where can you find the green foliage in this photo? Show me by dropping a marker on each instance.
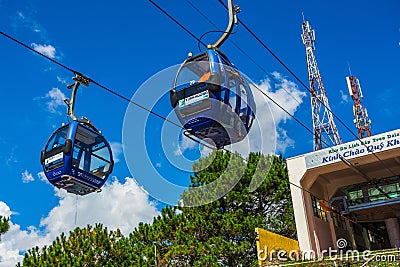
(4, 225)
(84, 247)
(220, 233)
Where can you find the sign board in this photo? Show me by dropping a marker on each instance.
(193, 99)
(54, 158)
(354, 149)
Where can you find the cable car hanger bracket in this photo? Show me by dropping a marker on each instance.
(79, 79)
(232, 10)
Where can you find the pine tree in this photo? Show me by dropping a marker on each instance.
(220, 233)
(4, 225)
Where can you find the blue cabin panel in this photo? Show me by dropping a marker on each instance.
(77, 158)
(212, 99)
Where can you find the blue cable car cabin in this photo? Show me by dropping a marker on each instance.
(77, 158)
(212, 99)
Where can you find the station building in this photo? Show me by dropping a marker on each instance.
(364, 195)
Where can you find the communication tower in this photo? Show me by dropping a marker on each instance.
(361, 119)
(325, 131)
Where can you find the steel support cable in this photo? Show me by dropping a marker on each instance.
(345, 161)
(99, 84)
(239, 48)
(90, 79)
(140, 106)
(281, 62)
(121, 96)
(177, 22)
(109, 90)
(112, 92)
(308, 89)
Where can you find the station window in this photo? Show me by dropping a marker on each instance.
(382, 192)
(318, 212)
(356, 197)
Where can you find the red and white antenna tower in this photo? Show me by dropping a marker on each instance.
(325, 130)
(361, 119)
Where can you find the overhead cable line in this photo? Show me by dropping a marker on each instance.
(308, 89)
(130, 101)
(344, 160)
(240, 49)
(177, 22)
(99, 84)
(266, 95)
(141, 106)
(90, 79)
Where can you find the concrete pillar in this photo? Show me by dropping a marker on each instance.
(393, 229)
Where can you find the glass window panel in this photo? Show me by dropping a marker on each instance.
(243, 103)
(58, 139)
(91, 153)
(100, 160)
(232, 80)
(318, 212)
(54, 155)
(356, 194)
(194, 71)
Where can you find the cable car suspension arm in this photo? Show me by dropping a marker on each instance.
(79, 79)
(232, 10)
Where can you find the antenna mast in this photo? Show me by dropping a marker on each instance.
(323, 123)
(361, 119)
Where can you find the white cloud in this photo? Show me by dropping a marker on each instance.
(344, 97)
(116, 149)
(16, 241)
(287, 95)
(27, 177)
(266, 134)
(47, 50)
(119, 205)
(61, 80)
(184, 144)
(4, 210)
(28, 22)
(283, 141)
(22, 16)
(43, 177)
(11, 158)
(55, 99)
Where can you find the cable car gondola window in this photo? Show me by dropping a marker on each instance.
(100, 160)
(91, 153)
(77, 157)
(243, 103)
(232, 80)
(54, 149)
(207, 95)
(194, 71)
(77, 161)
(58, 139)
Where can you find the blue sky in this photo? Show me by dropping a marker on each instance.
(124, 44)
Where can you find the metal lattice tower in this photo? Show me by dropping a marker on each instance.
(361, 119)
(325, 131)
